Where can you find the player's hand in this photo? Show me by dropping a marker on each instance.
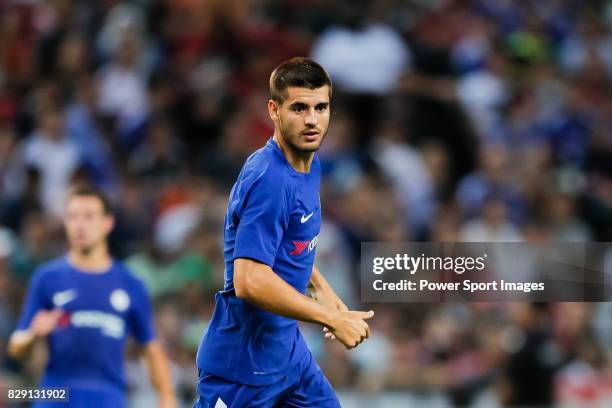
(44, 322)
(328, 334)
(350, 328)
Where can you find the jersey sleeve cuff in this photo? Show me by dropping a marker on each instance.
(255, 256)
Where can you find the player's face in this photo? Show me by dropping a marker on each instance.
(86, 223)
(303, 117)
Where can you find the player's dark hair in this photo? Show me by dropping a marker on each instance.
(299, 72)
(88, 190)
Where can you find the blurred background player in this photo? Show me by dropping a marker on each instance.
(253, 353)
(84, 305)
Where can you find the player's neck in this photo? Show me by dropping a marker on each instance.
(97, 260)
(300, 161)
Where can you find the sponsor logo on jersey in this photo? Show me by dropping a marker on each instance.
(301, 246)
(109, 324)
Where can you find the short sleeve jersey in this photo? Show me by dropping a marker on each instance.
(273, 217)
(99, 311)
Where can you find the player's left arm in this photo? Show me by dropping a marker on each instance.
(141, 317)
(159, 373)
(323, 293)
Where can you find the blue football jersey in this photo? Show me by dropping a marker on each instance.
(99, 310)
(273, 217)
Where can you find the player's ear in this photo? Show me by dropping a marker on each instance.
(273, 109)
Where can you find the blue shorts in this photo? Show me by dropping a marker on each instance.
(303, 386)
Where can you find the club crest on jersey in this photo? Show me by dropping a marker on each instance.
(120, 300)
(301, 246)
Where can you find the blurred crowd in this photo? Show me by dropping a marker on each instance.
(453, 120)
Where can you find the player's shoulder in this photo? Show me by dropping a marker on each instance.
(266, 165)
(51, 268)
(130, 279)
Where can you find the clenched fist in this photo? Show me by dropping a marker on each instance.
(350, 328)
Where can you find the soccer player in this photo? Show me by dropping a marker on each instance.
(84, 305)
(253, 354)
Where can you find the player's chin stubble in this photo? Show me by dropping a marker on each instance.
(85, 250)
(293, 140)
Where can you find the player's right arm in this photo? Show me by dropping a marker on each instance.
(261, 222)
(22, 341)
(36, 320)
(257, 283)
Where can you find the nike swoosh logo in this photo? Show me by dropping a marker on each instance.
(306, 218)
(66, 296)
